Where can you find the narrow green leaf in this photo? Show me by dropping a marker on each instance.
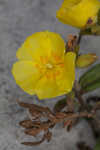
(90, 76)
(97, 146)
(93, 86)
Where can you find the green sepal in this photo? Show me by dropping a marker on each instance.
(86, 31)
(95, 30)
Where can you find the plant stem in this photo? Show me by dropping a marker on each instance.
(80, 37)
(70, 104)
(81, 101)
(77, 89)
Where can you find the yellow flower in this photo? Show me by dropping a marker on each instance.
(77, 12)
(42, 67)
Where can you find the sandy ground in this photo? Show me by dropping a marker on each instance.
(19, 19)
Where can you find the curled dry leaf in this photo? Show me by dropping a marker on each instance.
(26, 124)
(72, 43)
(33, 143)
(37, 111)
(33, 131)
(47, 136)
(70, 123)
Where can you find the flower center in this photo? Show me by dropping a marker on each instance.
(49, 66)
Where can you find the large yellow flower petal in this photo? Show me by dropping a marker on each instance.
(69, 62)
(26, 75)
(47, 88)
(62, 82)
(41, 44)
(66, 78)
(77, 12)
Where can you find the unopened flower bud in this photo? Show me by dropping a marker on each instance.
(86, 60)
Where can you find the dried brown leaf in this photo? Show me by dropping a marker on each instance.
(48, 136)
(33, 143)
(33, 132)
(26, 124)
(67, 123)
(35, 127)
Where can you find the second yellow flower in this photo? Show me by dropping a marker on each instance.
(77, 12)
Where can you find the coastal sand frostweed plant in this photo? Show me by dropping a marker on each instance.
(77, 12)
(46, 68)
(43, 68)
